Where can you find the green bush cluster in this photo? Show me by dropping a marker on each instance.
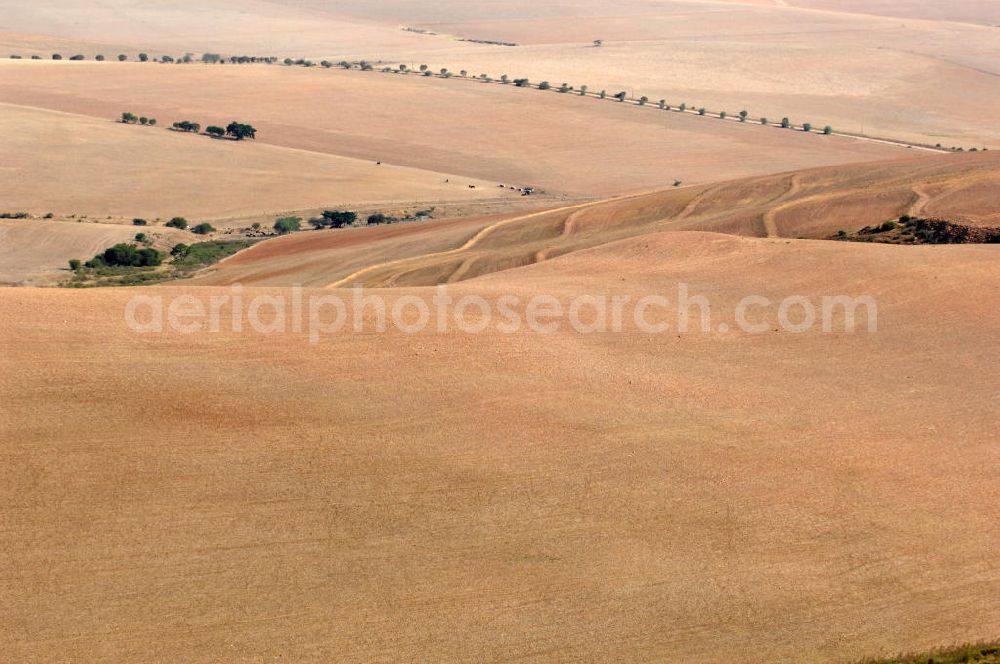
(287, 225)
(334, 219)
(126, 255)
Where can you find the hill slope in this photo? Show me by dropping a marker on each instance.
(223, 497)
(76, 164)
(810, 204)
(562, 143)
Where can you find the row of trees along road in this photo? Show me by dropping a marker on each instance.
(236, 130)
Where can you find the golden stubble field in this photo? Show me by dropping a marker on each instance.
(561, 143)
(816, 204)
(220, 496)
(910, 70)
(76, 164)
(449, 496)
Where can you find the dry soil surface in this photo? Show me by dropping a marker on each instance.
(215, 497)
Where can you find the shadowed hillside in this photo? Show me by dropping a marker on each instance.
(810, 204)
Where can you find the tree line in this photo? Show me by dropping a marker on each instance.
(236, 130)
(343, 219)
(239, 131)
(187, 58)
(565, 88)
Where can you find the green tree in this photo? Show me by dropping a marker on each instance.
(643, 100)
(376, 219)
(177, 222)
(203, 228)
(99, 58)
(179, 250)
(702, 111)
(544, 85)
(286, 225)
(663, 104)
(763, 121)
(139, 222)
(339, 219)
(144, 120)
(723, 115)
(129, 255)
(74, 264)
(129, 118)
(785, 123)
(603, 94)
(240, 131)
(122, 57)
(583, 90)
(56, 56)
(807, 127)
(77, 58)
(142, 237)
(828, 130)
(620, 96)
(143, 57)
(743, 116)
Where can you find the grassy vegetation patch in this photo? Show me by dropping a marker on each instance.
(205, 253)
(980, 653)
(106, 275)
(184, 260)
(914, 230)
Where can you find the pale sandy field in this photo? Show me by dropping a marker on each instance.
(34, 251)
(560, 143)
(914, 70)
(77, 164)
(225, 495)
(452, 497)
(808, 204)
(979, 12)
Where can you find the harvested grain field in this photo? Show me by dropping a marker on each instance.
(812, 204)
(228, 496)
(697, 364)
(579, 146)
(921, 71)
(37, 251)
(75, 164)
